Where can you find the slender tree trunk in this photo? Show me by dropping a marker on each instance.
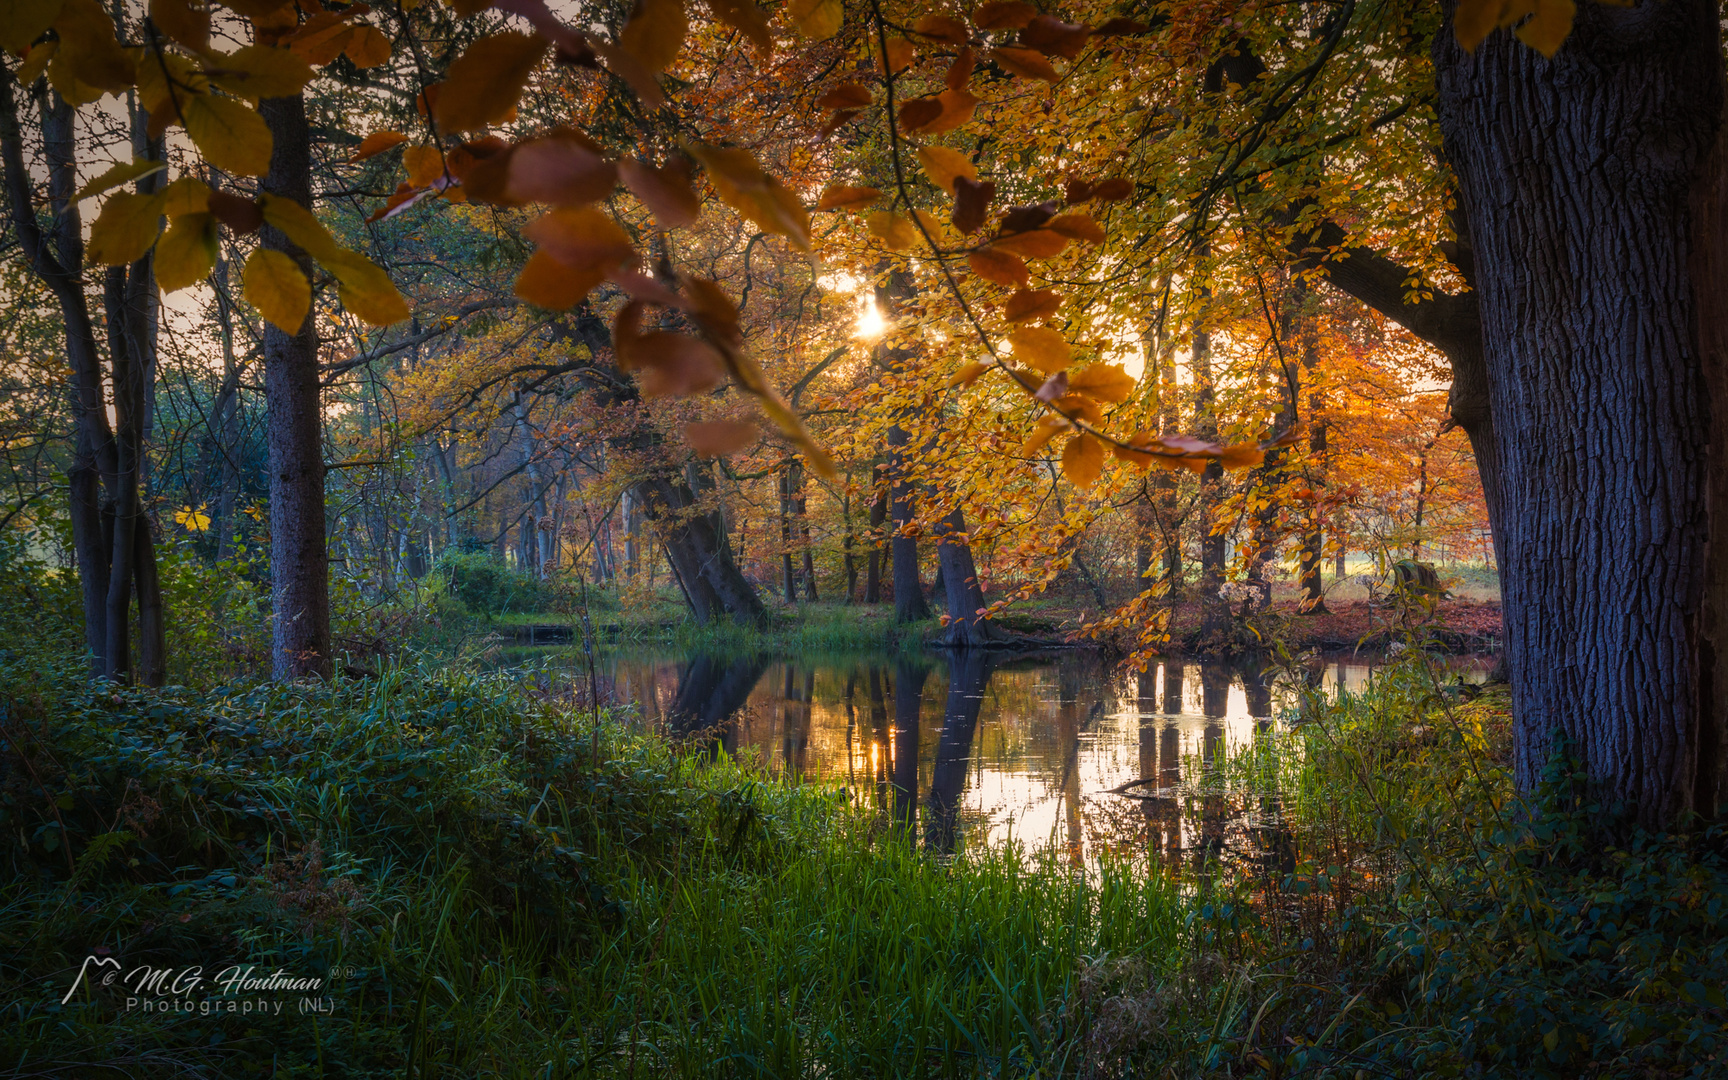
(964, 595)
(1576, 175)
(848, 562)
(299, 560)
(909, 603)
(873, 559)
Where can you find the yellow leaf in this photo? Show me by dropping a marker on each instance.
(817, 20)
(166, 82)
(36, 62)
(260, 71)
(486, 81)
(969, 374)
(744, 186)
(942, 165)
(1041, 347)
(125, 229)
(192, 519)
(187, 252)
(230, 135)
(1476, 19)
(367, 47)
(118, 174)
(183, 21)
(299, 226)
(717, 438)
(23, 21)
(1082, 460)
(655, 33)
(846, 197)
(1106, 382)
(1033, 243)
(1045, 430)
(90, 61)
(276, 287)
(548, 283)
(1548, 29)
(365, 289)
(583, 239)
(187, 195)
(896, 231)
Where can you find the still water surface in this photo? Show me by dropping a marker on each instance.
(971, 748)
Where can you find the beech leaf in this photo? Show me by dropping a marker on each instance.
(896, 231)
(1025, 305)
(846, 197)
(276, 287)
(367, 47)
(186, 253)
(817, 20)
(1082, 460)
(564, 168)
(1003, 15)
(1033, 244)
(1077, 227)
(998, 266)
(942, 165)
(944, 28)
(970, 374)
(848, 95)
(655, 33)
(746, 18)
(665, 191)
(260, 71)
(118, 174)
(376, 143)
(1106, 382)
(582, 238)
(229, 133)
(125, 229)
(744, 186)
(546, 282)
(718, 438)
(1053, 37)
(184, 21)
(1041, 347)
(972, 203)
(485, 82)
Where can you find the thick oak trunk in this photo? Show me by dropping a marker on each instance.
(299, 560)
(1575, 174)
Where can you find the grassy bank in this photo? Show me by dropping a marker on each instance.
(493, 884)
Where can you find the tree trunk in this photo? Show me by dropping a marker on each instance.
(964, 595)
(968, 674)
(1575, 174)
(299, 561)
(909, 603)
(873, 560)
(712, 582)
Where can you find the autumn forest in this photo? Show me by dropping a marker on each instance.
(1115, 539)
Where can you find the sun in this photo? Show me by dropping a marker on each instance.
(871, 324)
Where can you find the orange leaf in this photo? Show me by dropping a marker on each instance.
(744, 186)
(583, 238)
(1026, 62)
(969, 374)
(665, 191)
(655, 33)
(1106, 382)
(944, 28)
(900, 53)
(1041, 347)
(717, 438)
(564, 168)
(424, 164)
(1082, 460)
(670, 364)
(1045, 430)
(1033, 244)
(546, 282)
(960, 71)
(1053, 37)
(183, 21)
(377, 143)
(1113, 190)
(896, 231)
(367, 47)
(485, 82)
(953, 109)
(943, 165)
(1003, 15)
(1241, 456)
(848, 95)
(998, 266)
(746, 18)
(1025, 305)
(1077, 227)
(846, 197)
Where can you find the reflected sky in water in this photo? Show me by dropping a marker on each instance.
(970, 748)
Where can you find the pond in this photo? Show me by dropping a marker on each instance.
(969, 748)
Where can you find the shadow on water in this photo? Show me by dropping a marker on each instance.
(1058, 750)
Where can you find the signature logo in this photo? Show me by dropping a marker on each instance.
(102, 969)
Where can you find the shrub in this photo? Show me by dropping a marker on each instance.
(486, 586)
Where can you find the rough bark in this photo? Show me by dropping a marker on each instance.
(299, 560)
(909, 602)
(873, 560)
(964, 595)
(1575, 175)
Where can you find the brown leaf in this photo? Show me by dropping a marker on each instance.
(424, 164)
(840, 119)
(900, 53)
(943, 28)
(549, 283)
(999, 267)
(712, 309)
(972, 203)
(655, 33)
(1033, 244)
(1119, 27)
(485, 82)
(846, 197)
(404, 197)
(896, 231)
(1077, 191)
(960, 71)
(1053, 37)
(1082, 460)
(1021, 218)
(184, 21)
(1241, 456)
(1077, 227)
(1024, 62)
(564, 168)
(943, 166)
(917, 112)
(1003, 15)
(1113, 190)
(241, 215)
(746, 18)
(957, 109)
(669, 364)
(376, 143)
(1054, 387)
(1041, 347)
(367, 47)
(717, 438)
(817, 20)
(665, 191)
(583, 238)
(1025, 305)
(848, 95)
(639, 286)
